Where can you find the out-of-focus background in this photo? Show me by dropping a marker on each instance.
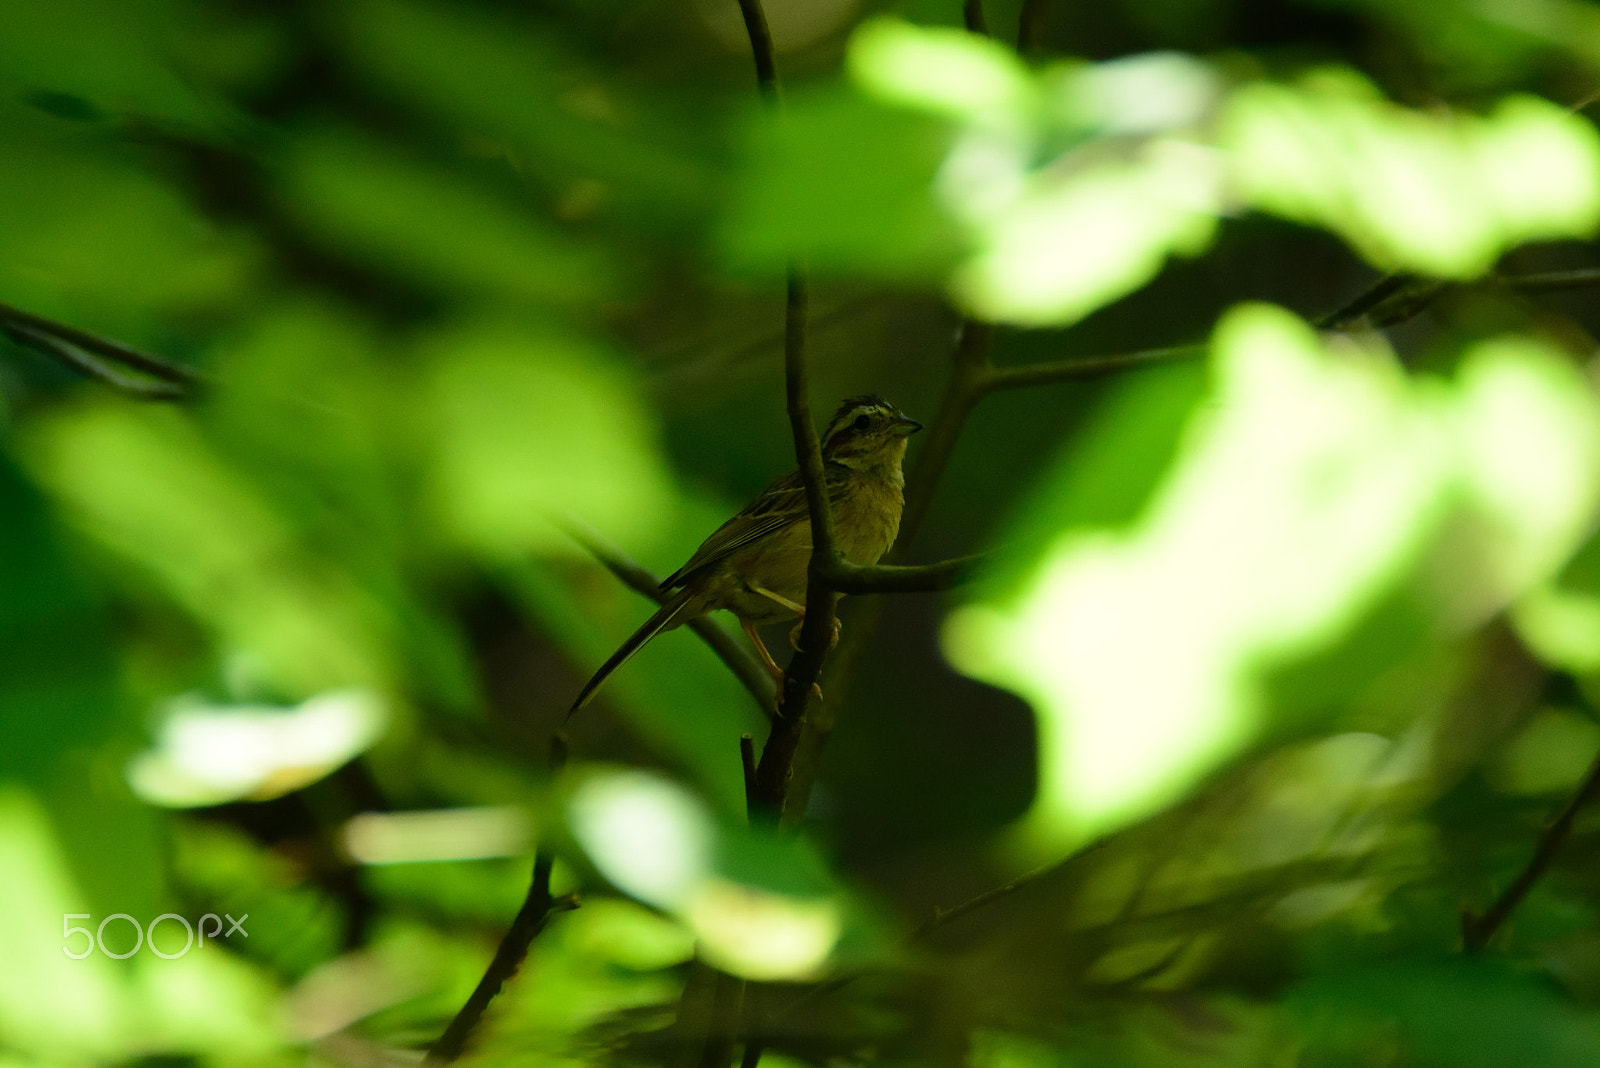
(1284, 663)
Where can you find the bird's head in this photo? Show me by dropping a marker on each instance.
(869, 434)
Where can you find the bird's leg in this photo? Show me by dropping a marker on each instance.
(794, 635)
(797, 609)
(761, 647)
(761, 650)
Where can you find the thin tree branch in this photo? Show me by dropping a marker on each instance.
(969, 373)
(639, 579)
(817, 629)
(1396, 298)
(969, 369)
(1030, 26)
(531, 918)
(1551, 281)
(1381, 290)
(941, 917)
(845, 577)
(108, 348)
(747, 761)
(1085, 368)
(755, 27)
(1476, 931)
(767, 787)
(972, 16)
(81, 360)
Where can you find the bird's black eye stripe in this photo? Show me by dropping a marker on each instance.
(861, 422)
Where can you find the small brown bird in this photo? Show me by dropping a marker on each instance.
(754, 565)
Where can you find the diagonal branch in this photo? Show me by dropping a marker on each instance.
(1030, 26)
(90, 354)
(639, 579)
(1082, 369)
(817, 629)
(1476, 930)
(531, 918)
(972, 17)
(845, 577)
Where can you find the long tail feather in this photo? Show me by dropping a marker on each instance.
(666, 616)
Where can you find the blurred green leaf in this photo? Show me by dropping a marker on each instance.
(110, 55)
(147, 485)
(558, 118)
(1451, 1015)
(530, 426)
(1143, 652)
(761, 906)
(849, 184)
(435, 226)
(1444, 195)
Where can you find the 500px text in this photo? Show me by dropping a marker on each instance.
(145, 935)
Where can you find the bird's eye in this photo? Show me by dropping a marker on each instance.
(861, 423)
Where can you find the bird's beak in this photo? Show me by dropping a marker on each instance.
(904, 426)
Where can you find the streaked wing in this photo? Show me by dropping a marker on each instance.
(779, 505)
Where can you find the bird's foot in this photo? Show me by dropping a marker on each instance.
(794, 634)
(816, 691)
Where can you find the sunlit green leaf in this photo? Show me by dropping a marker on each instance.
(432, 225)
(1445, 195)
(945, 71)
(847, 183)
(533, 425)
(145, 484)
(208, 755)
(1315, 484)
(542, 103)
(655, 841)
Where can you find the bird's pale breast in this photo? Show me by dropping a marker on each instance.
(866, 519)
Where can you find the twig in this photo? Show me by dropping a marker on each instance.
(845, 577)
(969, 371)
(747, 761)
(531, 918)
(639, 579)
(1079, 370)
(941, 917)
(1476, 930)
(727, 1012)
(816, 632)
(81, 360)
(108, 348)
(1370, 298)
(1395, 298)
(767, 787)
(972, 16)
(1551, 281)
(755, 27)
(1030, 26)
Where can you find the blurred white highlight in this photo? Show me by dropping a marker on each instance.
(446, 834)
(211, 754)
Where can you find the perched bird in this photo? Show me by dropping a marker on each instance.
(754, 565)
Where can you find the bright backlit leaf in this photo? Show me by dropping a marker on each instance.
(209, 754)
(654, 840)
(650, 837)
(1440, 194)
(146, 484)
(945, 71)
(423, 222)
(1313, 484)
(526, 425)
